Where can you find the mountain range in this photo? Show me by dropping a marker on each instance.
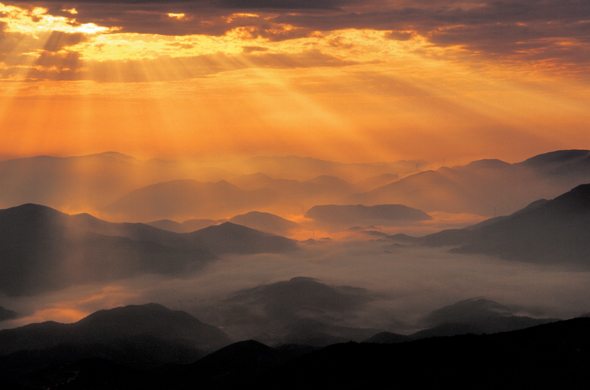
(43, 249)
(553, 231)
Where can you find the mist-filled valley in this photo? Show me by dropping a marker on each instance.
(144, 263)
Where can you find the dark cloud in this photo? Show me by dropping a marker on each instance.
(58, 40)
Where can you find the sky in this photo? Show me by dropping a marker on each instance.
(345, 80)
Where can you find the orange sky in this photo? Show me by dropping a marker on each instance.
(348, 81)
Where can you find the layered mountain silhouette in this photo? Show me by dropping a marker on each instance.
(353, 215)
(43, 249)
(88, 181)
(542, 357)
(549, 232)
(301, 310)
(265, 222)
(184, 199)
(485, 187)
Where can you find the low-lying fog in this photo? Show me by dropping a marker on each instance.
(402, 284)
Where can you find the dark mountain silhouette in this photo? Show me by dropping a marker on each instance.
(475, 316)
(113, 326)
(485, 187)
(184, 199)
(7, 314)
(388, 338)
(542, 357)
(551, 232)
(386, 214)
(301, 310)
(231, 238)
(265, 222)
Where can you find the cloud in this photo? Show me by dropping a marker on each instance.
(58, 40)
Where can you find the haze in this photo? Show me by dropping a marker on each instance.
(151, 150)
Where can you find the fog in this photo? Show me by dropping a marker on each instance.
(403, 284)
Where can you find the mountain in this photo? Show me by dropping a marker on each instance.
(184, 199)
(187, 226)
(43, 249)
(265, 222)
(549, 232)
(475, 316)
(351, 215)
(231, 238)
(7, 314)
(305, 168)
(485, 187)
(300, 310)
(114, 325)
(91, 181)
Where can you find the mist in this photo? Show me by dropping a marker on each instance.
(401, 286)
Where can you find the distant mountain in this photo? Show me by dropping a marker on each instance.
(7, 314)
(305, 168)
(80, 182)
(485, 187)
(475, 316)
(265, 222)
(295, 196)
(184, 199)
(187, 226)
(351, 215)
(301, 310)
(231, 238)
(550, 232)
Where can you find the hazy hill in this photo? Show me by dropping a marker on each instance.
(184, 199)
(265, 222)
(350, 215)
(300, 310)
(231, 238)
(485, 187)
(553, 232)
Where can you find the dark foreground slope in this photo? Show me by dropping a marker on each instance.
(548, 356)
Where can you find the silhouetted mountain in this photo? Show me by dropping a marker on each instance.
(182, 199)
(485, 187)
(6, 314)
(475, 316)
(386, 214)
(373, 182)
(265, 222)
(553, 232)
(231, 238)
(116, 326)
(388, 338)
(298, 311)
(43, 249)
(542, 357)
